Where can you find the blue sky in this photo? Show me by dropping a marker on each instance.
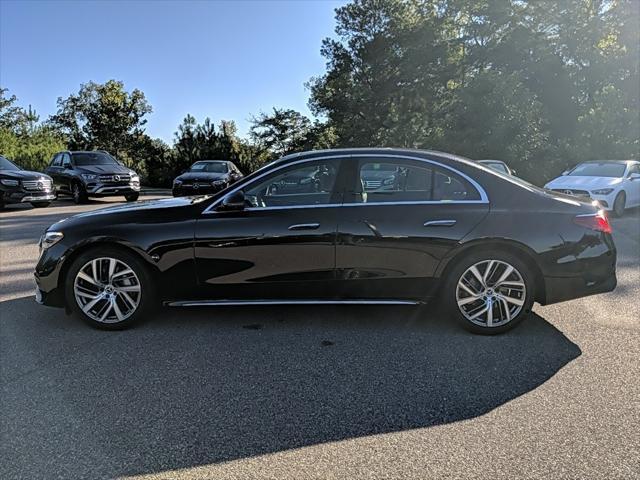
(225, 60)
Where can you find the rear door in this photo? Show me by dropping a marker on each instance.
(400, 218)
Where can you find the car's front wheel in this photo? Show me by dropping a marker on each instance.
(132, 197)
(79, 194)
(109, 288)
(619, 204)
(489, 292)
(40, 204)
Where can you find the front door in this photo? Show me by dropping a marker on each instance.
(282, 245)
(399, 220)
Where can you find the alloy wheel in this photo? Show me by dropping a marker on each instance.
(107, 290)
(491, 293)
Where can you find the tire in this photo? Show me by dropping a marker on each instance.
(102, 313)
(79, 194)
(40, 204)
(132, 197)
(619, 204)
(505, 314)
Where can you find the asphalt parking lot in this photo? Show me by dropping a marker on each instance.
(331, 392)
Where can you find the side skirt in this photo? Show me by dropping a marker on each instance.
(226, 303)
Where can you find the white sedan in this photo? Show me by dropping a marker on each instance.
(613, 183)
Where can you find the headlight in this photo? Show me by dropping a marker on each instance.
(177, 182)
(217, 183)
(603, 191)
(89, 176)
(9, 183)
(134, 176)
(49, 239)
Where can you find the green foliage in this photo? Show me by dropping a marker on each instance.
(286, 131)
(31, 151)
(535, 83)
(103, 116)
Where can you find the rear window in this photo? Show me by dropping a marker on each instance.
(93, 158)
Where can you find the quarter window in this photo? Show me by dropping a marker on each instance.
(407, 181)
(310, 183)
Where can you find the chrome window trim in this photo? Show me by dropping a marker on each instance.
(484, 198)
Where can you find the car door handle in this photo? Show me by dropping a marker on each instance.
(304, 226)
(439, 223)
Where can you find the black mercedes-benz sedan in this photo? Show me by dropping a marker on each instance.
(309, 229)
(206, 177)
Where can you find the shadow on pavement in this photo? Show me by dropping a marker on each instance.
(199, 387)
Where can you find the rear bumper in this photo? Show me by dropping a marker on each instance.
(559, 289)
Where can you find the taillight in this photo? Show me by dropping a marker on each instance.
(595, 221)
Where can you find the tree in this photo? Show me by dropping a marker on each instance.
(528, 82)
(282, 132)
(14, 118)
(103, 116)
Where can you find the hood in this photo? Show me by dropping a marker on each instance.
(201, 176)
(582, 183)
(139, 208)
(23, 175)
(103, 169)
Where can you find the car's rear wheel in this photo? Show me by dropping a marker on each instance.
(131, 197)
(489, 292)
(109, 288)
(619, 204)
(78, 193)
(40, 204)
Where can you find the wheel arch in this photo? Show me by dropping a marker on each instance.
(514, 247)
(91, 245)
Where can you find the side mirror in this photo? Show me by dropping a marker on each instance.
(67, 166)
(233, 202)
(634, 176)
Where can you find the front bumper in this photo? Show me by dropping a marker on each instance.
(23, 196)
(106, 190)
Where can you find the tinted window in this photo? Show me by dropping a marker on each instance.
(66, 160)
(57, 160)
(93, 158)
(405, 181)
(209, 167)
(634, 168)
(595, 169)
(500, 167)
(7, 165)
(310, 183)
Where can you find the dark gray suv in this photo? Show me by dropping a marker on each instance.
(92, 174)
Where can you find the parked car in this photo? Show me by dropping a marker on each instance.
(206, 177)
(498, 165)
(22, 186)
(615, 184)
(487, 245)
(92, 174)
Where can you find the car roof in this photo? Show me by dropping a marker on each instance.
(360, 151)
(212, 161)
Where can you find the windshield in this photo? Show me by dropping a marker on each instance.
(209, 167)
(93, 158)
(7, 165)
(605, 169)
